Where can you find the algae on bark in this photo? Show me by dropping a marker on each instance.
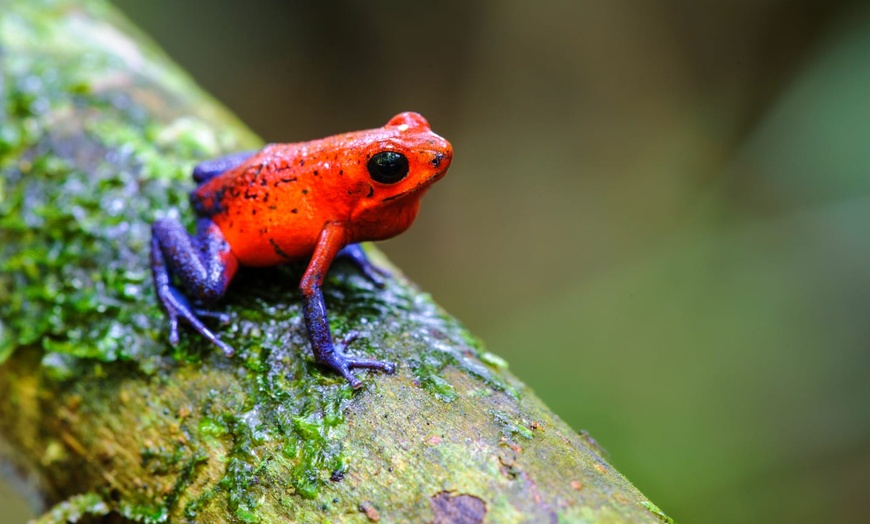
(99, 134)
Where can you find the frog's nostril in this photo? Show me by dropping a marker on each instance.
(439, 157)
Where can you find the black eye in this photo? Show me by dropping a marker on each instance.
(388, 167)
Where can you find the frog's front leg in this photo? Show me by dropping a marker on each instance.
(202, 263)
(330, 242)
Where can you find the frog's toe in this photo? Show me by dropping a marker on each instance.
(221, 317)
(226, 348)
(348, 362)
(367, 363)
(348, 338)
(344, 364)
(352, 379)
(178, 307)
(173, 330)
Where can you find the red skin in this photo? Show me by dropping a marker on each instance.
(297, 201)
(284, 195)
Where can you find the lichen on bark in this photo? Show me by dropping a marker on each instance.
(98, 137)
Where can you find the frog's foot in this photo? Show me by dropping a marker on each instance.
(342, 363)
(357, 256)
(177, 306)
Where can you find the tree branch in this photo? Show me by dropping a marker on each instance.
(99, 134)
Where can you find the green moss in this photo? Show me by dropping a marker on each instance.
(211, 429)
(162, 460)
(428, 376)
(245, 515)
(657, 512)
(78, 201)
(72, 245)
(193, 508)
(493, 360)
(511, 426)
(186, 476)
(144, 513)
(75, 509)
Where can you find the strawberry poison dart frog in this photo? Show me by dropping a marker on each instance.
(310, 200)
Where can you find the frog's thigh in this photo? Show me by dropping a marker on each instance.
(203, 263)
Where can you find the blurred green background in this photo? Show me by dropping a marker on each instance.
(658, 211)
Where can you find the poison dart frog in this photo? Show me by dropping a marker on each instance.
(310, 200)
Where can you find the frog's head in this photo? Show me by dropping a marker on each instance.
(401, 160)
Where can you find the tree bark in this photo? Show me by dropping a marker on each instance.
(99, 134)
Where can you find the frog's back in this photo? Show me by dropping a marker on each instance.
(265, 207)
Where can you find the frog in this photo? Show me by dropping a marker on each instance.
(289, 202)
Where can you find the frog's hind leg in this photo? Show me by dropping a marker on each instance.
(209, 169)
(203, 264)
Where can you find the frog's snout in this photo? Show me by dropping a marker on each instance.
(440, 162)
(442, 155)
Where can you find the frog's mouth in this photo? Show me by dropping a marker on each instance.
(421, 186)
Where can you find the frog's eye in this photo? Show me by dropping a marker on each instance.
(388, 167)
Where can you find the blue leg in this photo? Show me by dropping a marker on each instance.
(314, 310)
(324, 348)
(209, 169)
(355, 254)
(202, 263)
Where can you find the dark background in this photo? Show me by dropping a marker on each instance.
(657, 213)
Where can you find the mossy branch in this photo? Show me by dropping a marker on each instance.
(99, 134)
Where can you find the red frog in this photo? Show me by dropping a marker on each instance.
(310, 200)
